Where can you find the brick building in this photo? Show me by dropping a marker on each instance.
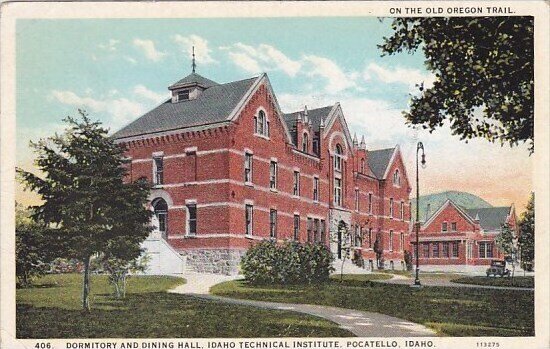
(455, 238)
(229, 168)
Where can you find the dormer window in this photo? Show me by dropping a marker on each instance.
(183, 95)
(305, 142)
(396, 178)
(261, 124)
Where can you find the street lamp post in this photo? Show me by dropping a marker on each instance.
(419, 147)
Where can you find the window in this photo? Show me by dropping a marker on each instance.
(370, 202)
(160, 208)
(362, 169)
(356, 199)
(315, 189)
(453, 226)
(426, 250)
(316, 231)
(338, 154)
(444, 227)
(445, 250)
(402, 211)
(485, 250)
(248, 217)
(315, 146)
(391, 240)
(358, 236)
(396, 178)
(401, 241)
(435, 249)
(191, 219)
(158, 170)
(391, 207)
(469, 250)
(261, 124)
(248, 168)
(296, 227)
(309, 230)
(323, 231)
(337, 192)
(183, 95)
(273, 175)
(305, 142)
(296, 189)
(370, 237)
(455, 249)
(273, 224)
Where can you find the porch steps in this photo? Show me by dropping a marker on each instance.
(163, 258)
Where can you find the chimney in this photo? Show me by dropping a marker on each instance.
(428, 213)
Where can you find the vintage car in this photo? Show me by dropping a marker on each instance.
(498, 268)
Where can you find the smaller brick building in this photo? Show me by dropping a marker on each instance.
(454, 238)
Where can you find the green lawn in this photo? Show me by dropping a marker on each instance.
(518, 281)
(449, 310)
(51, 309)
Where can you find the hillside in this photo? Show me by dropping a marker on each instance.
(463, 199)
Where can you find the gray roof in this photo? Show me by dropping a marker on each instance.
(315, 115)
(192, 79)
(213, 105)
(490, 218)
(379, 160)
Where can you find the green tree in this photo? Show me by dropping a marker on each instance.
(483, 69)
(506, 242)
(527, 234)
(85, 197)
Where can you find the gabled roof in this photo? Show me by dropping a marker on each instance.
(214, 105)
(379, 160)
(490, 218)
(193, 79)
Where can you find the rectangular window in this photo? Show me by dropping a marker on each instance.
(315, 189)
(273, 224)
(402, 211)
(435, 249)
(309, 230)
(316, 231)
(426, 250)
(485, 250)
(183, 95)
(315, 146)
(248, 168)
(356, 199)
(391, 207)
(391, 240)
(158, 170)
(370, 202)
(358, 236)
(296, 190)
(273, 175)
(192, 219)
(453, 226)
(445, 250)
(370, 237)
(444, 227)
(337, 192)
(455, 249)
(323, 231)
(401, 242)
(249, 216)
(296, 227)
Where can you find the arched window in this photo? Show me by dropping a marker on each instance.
(261, 122)
(160, 208)
(396, 178)
(338, 154)
(305, 142)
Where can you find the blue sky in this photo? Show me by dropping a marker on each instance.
(118, 69)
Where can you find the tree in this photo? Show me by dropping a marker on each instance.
(483, 69)
(343, 239)
(527, 234)
(506, 242)
(85, 197)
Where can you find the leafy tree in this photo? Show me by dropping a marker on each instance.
(85, 197)
(506, 242)
(527, 234)
(483, 69)
(343, 238)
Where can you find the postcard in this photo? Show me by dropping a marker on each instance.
(252, 175)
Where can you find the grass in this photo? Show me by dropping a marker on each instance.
(451, 311)
(518, 281)
(51, 309)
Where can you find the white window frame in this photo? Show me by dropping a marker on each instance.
(248, 165)
(273, 170)
(338, 158)
(273, 223)
(188, 219)
(391, 208)
(390, 245)
(316, 189)
(249, 219)
(261, 123)
(444, 227)
(455, 228)
(156, 181)
(396, 178)
(402, 210)
(296, 183)
(338, 192)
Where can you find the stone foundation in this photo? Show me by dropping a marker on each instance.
(216, 261)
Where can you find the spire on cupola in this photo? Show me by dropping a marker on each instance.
(355, 143)
(194, 63)
(363, 145)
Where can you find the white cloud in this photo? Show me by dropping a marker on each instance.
(148, 48)
(262, 58)
(122, 110)
(111, 45)
(202, 51)
(144, 92)
(406, 76)
(130, 59)
(337, 79)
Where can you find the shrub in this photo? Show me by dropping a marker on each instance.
(289, 263)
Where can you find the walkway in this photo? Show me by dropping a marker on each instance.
(360, 323)
(427, 281)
